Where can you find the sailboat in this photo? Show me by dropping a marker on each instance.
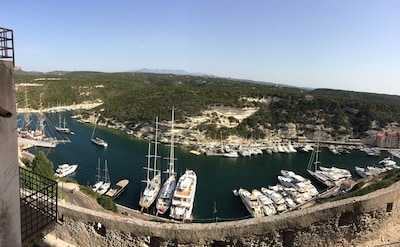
(99, 182)
(107, 183)
(153, 180)
(167, 190)
(330, 177)
(62, 129)
(97, 140)
(37, 138)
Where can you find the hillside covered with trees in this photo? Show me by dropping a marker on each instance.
(136, 98)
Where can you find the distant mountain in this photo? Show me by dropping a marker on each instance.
(167, 71)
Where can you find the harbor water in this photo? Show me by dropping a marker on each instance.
(217, 176)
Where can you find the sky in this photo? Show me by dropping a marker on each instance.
(339, 44)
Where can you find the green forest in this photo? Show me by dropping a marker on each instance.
(136, 98)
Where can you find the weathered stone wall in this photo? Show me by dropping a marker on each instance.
(340, 223)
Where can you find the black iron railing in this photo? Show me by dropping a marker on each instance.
(7, 44)
(38, 203)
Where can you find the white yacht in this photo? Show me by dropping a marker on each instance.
(167, 190)
(276, 198)
(388, 163)
(153, 178)
(183, 199)
(252, 203)
(369, 171)
(266, 202)
(65, 170)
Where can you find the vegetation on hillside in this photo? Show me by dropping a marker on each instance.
(136, 98)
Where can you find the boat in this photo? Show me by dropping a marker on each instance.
(35, 137)
(277, 199)
(388, 163)
(107, 183)
(266, 202)
(97, 140)
(65, 170)
(164, 198)
(153, 176)
(183, 199)
(117, 189)
(251, 203)
(99, 182)
(62, 129)
(369, 171)
(314, 172)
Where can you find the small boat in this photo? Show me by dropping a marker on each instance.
(99, 182)
(183, 199)
(107, 183)
(117, 189)
(65, 170)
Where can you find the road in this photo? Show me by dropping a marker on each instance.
(72, 194)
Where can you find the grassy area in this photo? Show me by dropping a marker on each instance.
(105, 201)
(382, 181)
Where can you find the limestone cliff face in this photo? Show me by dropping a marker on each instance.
(342, 223)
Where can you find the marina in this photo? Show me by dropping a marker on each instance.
(217, 175)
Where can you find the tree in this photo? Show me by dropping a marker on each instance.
(43, 166)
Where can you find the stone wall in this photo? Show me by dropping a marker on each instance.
(342, 223)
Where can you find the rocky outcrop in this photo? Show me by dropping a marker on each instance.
(340, 223)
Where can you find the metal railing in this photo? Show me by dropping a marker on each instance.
(7, 44)
(38, 201)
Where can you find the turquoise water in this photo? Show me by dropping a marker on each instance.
(217, 176)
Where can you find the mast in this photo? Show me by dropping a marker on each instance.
(155, 150)
(106, 175)
(171, 168)
(98, 171)
(148, 166)
(26, 115)
(41, 118)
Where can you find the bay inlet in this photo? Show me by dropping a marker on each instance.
(217, 176)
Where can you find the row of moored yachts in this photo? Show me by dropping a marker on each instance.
(292, 191)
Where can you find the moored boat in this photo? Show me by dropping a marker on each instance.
(153, 177)
(97, 140)
(107, 183)
(164, 198)
(65, 170)
(183, 199)
(251, 203)
(117, 189)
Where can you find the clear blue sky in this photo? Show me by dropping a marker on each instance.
(341, 44)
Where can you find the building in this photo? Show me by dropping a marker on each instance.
(28, 201)
(388, 139)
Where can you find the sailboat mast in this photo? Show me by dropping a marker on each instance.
(27, 115)
(106, 176)
(172, 151)
(155, 150)
(148, 165)
(41, 118)
(98, 171)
